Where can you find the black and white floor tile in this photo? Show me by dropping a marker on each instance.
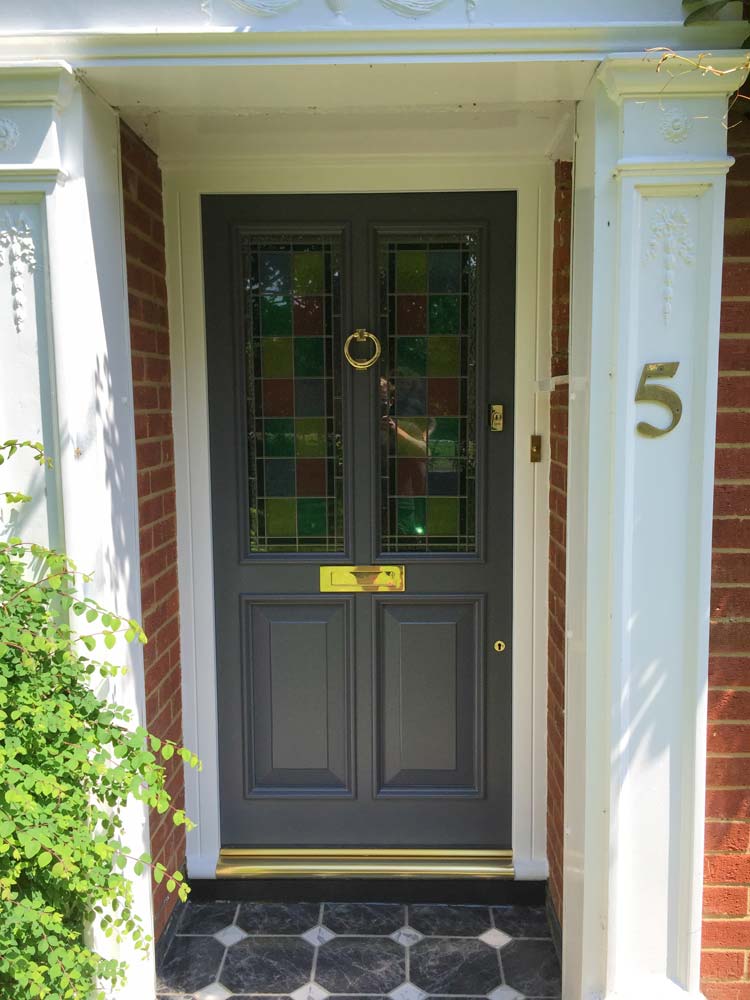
(359, 951)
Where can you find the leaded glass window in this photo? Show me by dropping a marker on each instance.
(428, 324)
(292, 286)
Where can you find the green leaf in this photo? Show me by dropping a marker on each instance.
(705, 11)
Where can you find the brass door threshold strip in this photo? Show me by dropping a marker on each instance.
(362, 862)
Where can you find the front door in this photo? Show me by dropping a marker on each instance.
(351, 718)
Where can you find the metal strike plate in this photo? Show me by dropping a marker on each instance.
(535, 448)
(362, 579)
(496, 417)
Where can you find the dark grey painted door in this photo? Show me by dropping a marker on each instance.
(367, 719)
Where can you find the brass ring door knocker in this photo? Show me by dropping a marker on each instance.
(360, 336)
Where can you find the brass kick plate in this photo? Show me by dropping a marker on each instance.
(362, 579)
(364, 862)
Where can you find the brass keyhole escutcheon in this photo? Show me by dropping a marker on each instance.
(360, 336)
(499, 646)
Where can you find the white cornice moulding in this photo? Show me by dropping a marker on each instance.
(20, 179)
(37, 84)
(629, 77)
(668, 165)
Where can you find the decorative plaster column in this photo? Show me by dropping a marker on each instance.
(649, 198)
(65, 366)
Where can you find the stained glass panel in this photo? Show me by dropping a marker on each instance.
(428, 326)
(292, 289)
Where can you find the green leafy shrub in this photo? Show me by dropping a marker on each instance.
(69, 763)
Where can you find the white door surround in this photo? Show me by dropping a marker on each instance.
(183, 188)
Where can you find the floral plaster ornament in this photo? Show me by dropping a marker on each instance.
(9, 134)
(675, 125)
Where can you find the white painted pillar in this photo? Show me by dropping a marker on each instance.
(649, 199)
(65, 376)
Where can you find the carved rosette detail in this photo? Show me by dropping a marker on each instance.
(669, 236)
(18, 252)
(9, 134)
(675, 125)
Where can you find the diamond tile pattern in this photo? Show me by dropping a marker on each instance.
(367, 951)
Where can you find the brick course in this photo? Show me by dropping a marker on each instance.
(725, 967)
(149, 339)
(557, 526)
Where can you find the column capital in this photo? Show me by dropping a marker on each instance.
(629, 77)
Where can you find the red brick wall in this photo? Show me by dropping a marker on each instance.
(557, 529)
(726, 909)
(149, 339)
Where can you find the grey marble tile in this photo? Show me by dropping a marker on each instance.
(532, 968)
(363, 918)
(370, 996)
(190, 964)
(361, 965)
(206, 918)
(450, 921)
(267, 965)
(256, 996)
(278, 918)
(521, 921)
(454, 965)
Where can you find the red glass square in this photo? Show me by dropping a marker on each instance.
(278, 397)
(411, 315)
(308, 316)
(443, 397)
(311, 477)
(412, 477)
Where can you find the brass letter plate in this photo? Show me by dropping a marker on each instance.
(361, 579)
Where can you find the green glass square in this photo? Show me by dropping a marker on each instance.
(445, 271)
(445, 429)
(281, 518)
(411, 436)
(276, 316)
(445, 314)
(278, 358)
(310, 433)
(412, 355)
(442, 516)
(443, 356)
(411, 271)
(309, 359)
(411, 515)
(311, 517)
(278, 437)
(308, 273)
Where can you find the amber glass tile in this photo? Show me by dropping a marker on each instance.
(445, 314)
(276, 316)
(281, 517)
(443, 356)
(311, 517)
(411, 436)
(278, 358)
(411, 271)
(311, 436)
(308, 316)
(443, 399)
(412, 477)
(308, 273)
(278, 397)
(442, 516)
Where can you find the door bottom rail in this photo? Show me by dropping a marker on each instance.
(363, 862)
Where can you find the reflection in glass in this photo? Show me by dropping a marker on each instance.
(292, 322)
(428, 325)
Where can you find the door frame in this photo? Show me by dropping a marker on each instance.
(533, 180)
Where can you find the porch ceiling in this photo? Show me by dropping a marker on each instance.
(202, 112)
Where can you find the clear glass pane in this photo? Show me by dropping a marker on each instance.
(293, 384)
(428, 326)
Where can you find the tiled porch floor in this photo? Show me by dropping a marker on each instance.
(372, 951)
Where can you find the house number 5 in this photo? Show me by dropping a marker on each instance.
(646, 393)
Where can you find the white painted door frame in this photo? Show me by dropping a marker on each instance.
(534, 183)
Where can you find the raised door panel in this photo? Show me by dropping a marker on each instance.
(429, 727)
(297, 697)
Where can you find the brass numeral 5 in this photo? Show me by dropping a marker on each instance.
(646, 393)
